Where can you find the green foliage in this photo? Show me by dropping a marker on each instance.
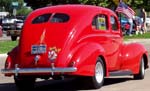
(6, 46)
(6, 5)
(139, 36)
(104, 3)
(141, 3)
(24, 11)
(21, 4)
(42, 3)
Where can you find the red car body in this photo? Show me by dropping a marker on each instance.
(74, 40)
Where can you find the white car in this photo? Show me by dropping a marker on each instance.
(9, 20)
(19, 24)
(8, 23)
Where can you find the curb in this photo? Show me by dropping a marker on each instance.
(3, 55)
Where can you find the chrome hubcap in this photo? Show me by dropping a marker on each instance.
(143, 69)
(99, 72)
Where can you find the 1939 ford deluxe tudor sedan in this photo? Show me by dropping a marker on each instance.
(73, 41)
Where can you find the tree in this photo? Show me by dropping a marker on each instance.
(5, 5)
(42, 3)
(38, 3)
(104, 3)
(24, 11)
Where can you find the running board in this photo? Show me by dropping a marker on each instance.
(120, 73)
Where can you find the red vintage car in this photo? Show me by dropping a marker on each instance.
(73, 41)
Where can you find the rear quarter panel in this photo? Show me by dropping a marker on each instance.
(85, 58)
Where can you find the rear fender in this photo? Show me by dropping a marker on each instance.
(11, 59)
(85, 58)
(131, 56)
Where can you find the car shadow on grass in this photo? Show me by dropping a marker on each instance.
(59, 85)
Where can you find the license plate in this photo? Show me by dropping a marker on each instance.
(38, 49)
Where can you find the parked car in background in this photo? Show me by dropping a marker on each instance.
(19, 24)
(15, 32)
(1, 32)
(12, 26)
(67, 41)
(137, 25)
(8, 23)
(124, 20)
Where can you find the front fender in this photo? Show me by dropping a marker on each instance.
(85, 58)
(131, 56)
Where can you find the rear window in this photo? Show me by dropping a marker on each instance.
(54, 18)
(59, 18)
(41, 19)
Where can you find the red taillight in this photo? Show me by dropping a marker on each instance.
(7, 64)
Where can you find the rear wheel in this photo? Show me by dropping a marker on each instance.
(24, 83)
(141, 73)
(97, 80)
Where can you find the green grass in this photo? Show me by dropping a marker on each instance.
(6, 46)
(139, 36)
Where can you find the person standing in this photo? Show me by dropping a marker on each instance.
(143, 16)
(130, 20)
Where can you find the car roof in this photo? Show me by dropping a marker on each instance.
(70, 9)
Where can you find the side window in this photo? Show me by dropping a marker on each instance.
(100, 22)
(114, 23)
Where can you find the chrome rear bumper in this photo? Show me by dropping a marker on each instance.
(17, 71)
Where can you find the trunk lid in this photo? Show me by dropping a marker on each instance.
(41, 44)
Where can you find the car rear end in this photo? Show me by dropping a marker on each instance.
(42, 47)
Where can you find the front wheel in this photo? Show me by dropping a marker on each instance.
(141, 73)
